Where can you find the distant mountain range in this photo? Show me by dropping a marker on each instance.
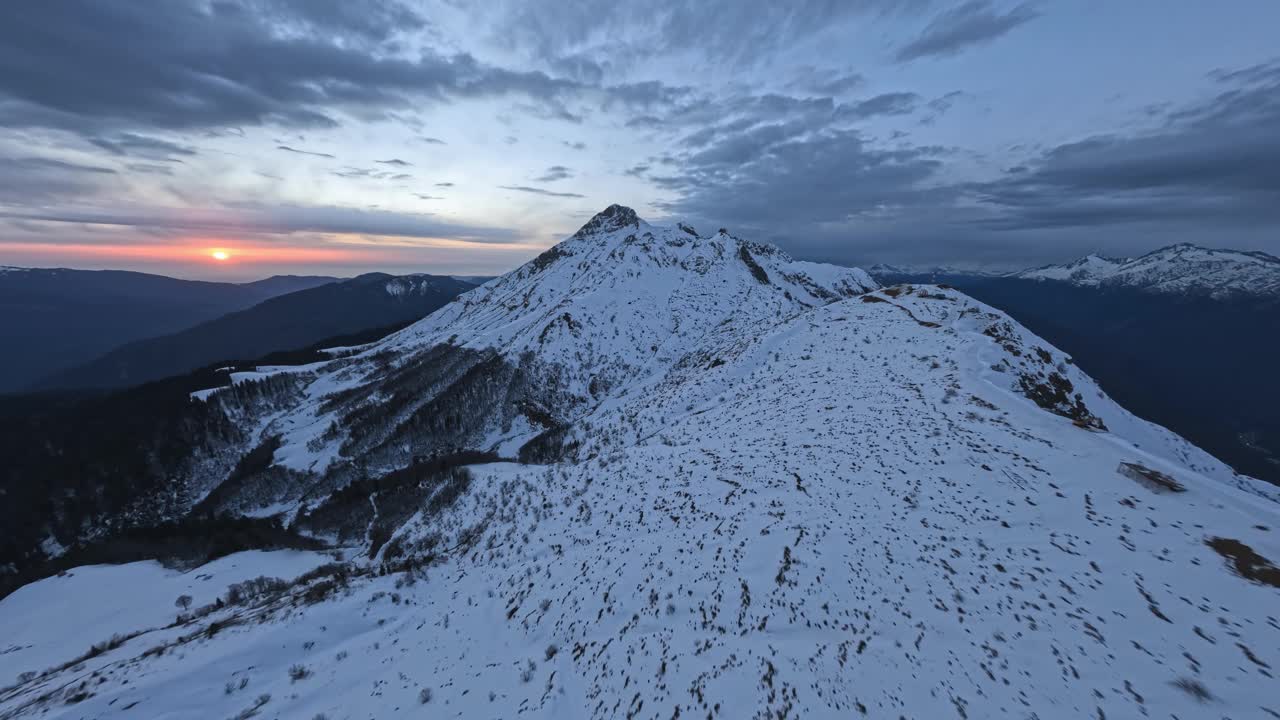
(285, 322)
(884, 270)
(57, 318)
(1177, 269)
(1182, 269)
(1184, 336)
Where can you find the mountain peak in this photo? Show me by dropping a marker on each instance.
(614, 217)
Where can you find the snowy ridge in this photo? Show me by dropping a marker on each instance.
(1184, 268)
(1089, 270)
(783, 492)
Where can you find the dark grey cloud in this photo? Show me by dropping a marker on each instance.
(646, 95)
(637, 170)
(539, 191)
(830, 193)
(1214, 161)
(142, 146)
(26, 180)
(578, 67)
(893, 103)
(372, 20)
(607, 33)
(939, 106)
(40, 164)
(394, 161)
(78, 64)
(430, 140)
(444, 184)
(1268, 72)
(708, 119)
(554, 173)
(286, 148)
(797, 181)
(150, 169)
(827, 82)
(253, 218)
(420, 196)
(645, 121)
(973, 23)
(575, 145)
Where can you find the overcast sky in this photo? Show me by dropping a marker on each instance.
(338, 137)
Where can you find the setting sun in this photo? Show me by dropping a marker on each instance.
(220, 255)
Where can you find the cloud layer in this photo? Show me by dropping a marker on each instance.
(856, 131)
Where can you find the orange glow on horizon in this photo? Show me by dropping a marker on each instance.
(198, 253)
(226, 257)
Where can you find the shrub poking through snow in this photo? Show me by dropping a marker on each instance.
(1153, 480)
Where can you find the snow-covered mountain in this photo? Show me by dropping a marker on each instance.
(658, 474)
(1183, 269)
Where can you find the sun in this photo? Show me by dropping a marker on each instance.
(220, 255)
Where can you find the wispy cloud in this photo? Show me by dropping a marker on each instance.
(540, 191)
(555, 173)
(286, 148)
(367, 174)
(971, 24)
(143, 146)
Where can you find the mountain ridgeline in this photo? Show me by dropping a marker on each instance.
(657, 473)
(1183, 336)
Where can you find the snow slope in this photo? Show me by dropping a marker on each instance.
(52, 620)
(1183, 268)
(784, 497)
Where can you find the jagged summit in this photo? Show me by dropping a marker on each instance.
(613, 218)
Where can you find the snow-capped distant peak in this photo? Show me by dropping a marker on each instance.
(1088, 270)
(1183, 269)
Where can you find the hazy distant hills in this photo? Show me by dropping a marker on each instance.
(52, 319)
(285, 322)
